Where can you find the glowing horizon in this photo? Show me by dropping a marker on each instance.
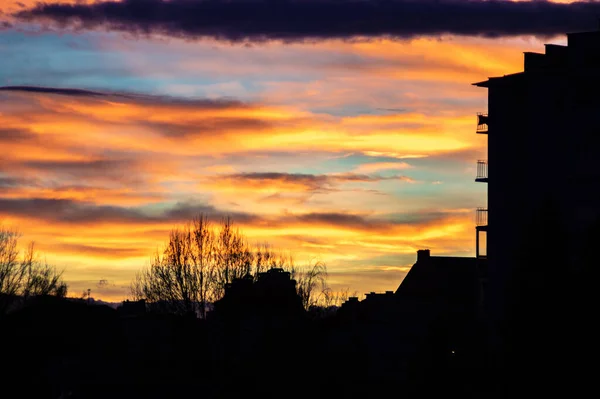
(357, 153)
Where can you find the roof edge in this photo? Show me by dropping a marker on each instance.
(484, 83)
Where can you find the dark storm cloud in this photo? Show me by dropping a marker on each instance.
(320, 19)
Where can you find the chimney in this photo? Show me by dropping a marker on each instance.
(423, 255)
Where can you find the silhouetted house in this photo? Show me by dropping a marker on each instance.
(379, 307)
(543, 132)
(442, 292)
(375, 308)
(439, 304)
(252, 326)
(442, 281)
(433, 312)
(132, 308)
(271, 299)
(436, 287)
(375, 297)
(350, 303)
(276, 284)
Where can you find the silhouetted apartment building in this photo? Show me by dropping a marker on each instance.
(543, 133)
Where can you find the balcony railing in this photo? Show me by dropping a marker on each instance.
(482, 123)
(481, 217)
(482, 171)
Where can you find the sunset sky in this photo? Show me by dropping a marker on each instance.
(349, 142)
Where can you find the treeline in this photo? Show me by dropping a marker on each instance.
(197, 263)
(202, 258)
(23, 275)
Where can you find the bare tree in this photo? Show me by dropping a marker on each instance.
(21, 279)
(202, 257)
(311, 283)
(334, 298)
(233, 257)
(180, 279)
(314, 289)
(195, 267)
(200, 260)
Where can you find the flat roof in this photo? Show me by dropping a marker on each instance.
(486, 83)
(589, 32)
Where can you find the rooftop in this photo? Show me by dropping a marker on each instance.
(581, 52)
(440, 278)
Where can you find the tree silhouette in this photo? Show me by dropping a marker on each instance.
(21, 279)
(308, 283)
(181, 279)
(233, 258)
(201, 259)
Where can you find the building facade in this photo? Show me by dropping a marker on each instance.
(543, 133)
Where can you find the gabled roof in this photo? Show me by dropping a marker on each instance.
(450, 280)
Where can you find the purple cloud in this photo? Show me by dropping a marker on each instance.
(259, 20)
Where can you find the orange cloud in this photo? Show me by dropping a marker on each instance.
(274, 182)
(98, 180)
(117, 248)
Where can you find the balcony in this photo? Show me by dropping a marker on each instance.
(482, 172)
(481, 218)
(482, 123)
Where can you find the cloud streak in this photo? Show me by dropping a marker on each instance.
(51, 90)
(259, 20)
(74, 212)
(101, 252)
(379, 166)
(104, 177)
(129, 123)
(303, 181)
